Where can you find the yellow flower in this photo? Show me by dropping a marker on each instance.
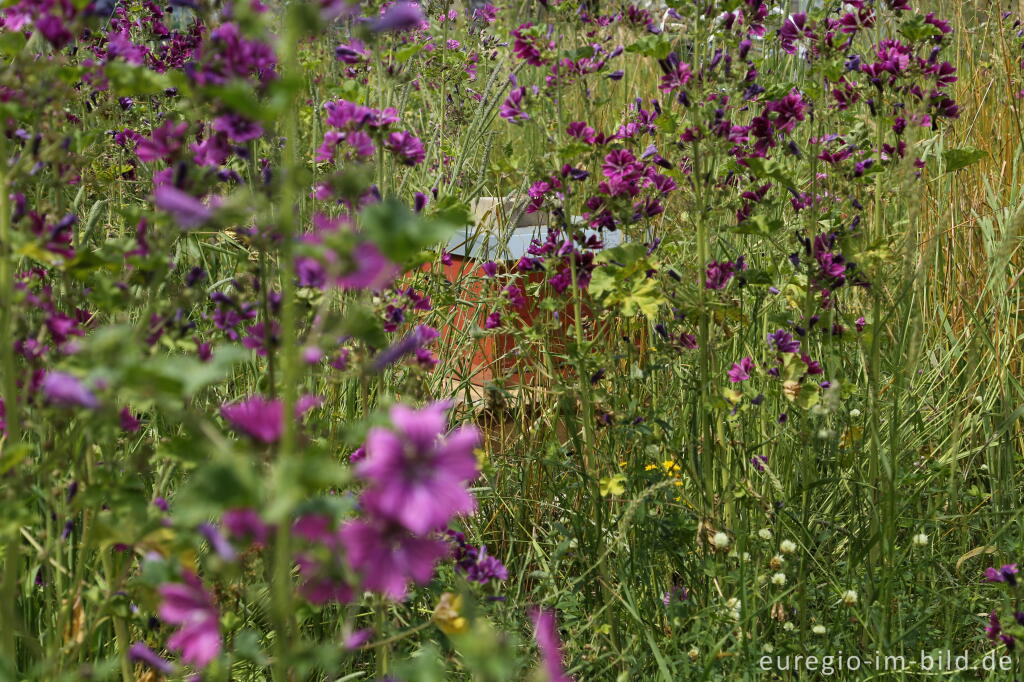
(446, 614)
(613, 486)
(650, 467)
(669, 466)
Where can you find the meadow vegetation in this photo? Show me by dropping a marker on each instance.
(754, 389)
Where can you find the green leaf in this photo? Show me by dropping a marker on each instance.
(407, 52)
(757, 277)
(362, 323)
(602, 281)
(129, 79)
(401, 234)
(623, 255)
(239, 96)
(450, 209)
(769, 168)
(12, 42)
(12, 455)
(657, 46)
(955, 159)
(226, 482)
(180, 376)
(759, 225)
(585, 52)
(809, 396)
(916, 29)
(643, 298)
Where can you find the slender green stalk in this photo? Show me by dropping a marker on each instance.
(288, 225)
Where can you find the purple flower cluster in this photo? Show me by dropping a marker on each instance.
(474, 562)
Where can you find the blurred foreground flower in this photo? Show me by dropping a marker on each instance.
(191, 607)
(550, 646)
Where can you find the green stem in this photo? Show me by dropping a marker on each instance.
(8, 373)
(281, 588)
(120, 627)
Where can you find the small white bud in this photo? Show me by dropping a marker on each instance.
(765, 534)
(789, 627)
(850, 597)
(920, 540)
(818, 629)
(720, 540)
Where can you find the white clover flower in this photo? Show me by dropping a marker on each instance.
(779, 579)
(920, 540)
(720, 540)
(855, 413)
(765, 534)
(694, 654)
(819, 629)
(850, 597)
(787, 547)
(789, 627)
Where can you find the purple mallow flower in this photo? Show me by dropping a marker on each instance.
(741, 370)
(218, 542)
(783, 341)
(141, 653)
(164, 142)
(1004, 574)
(416, 472)
(546, 633)
(186, 210)
(474, 562)
(189, 606)
(237, 128)
(388, 556)
(512, 108)
(61, 388)
(261, 419)
(246, 525)
(400, 16)
(371, 269)
(407, 147)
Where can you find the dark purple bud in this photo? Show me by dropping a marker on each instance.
(419, 201)
(195, 276)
